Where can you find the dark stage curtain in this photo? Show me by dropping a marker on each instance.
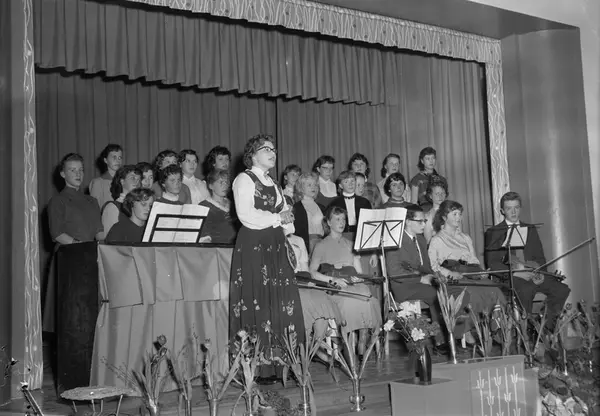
(441, 105)
(193, 50)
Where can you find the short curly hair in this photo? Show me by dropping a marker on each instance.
(116, 187)
(211, 158)
(164, 174)
(446, 208)
(299, 186)
(184, 153)
(321, 161)
(361, 157)
(436, 181)
(252, 146)
(158, 160)
(394, 177)
(137, 195)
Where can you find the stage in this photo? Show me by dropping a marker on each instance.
(331, 398)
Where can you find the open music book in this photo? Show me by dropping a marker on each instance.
(379, 227)
(174, 223)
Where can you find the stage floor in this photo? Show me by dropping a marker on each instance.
(331, 398)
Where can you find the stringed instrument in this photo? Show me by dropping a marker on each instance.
(348, 274)
(306, 281)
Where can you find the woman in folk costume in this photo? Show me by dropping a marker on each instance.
(263, 295)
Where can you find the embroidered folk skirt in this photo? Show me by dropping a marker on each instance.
(263, 295)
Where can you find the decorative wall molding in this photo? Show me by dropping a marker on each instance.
(33, 361)
(371, 28)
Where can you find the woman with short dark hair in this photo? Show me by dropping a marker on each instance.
(219, 224)
(263, 295)
(163, 160)
(111, 159)
(125, 180)
(136, 209)
(170, 182)
(394, 188)
(418, 184)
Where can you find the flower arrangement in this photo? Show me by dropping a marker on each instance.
(452, 311)
(415, 328)
(247, 345)
(214, 384)
(505, 323)
(588, 326)
(150, 381)
(483, 329)
(183, 375)
(297, 358)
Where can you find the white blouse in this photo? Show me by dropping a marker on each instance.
(327, 188)
(315, 217)
(198, 189)
(249, 216)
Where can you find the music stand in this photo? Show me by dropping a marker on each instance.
(158, 229)
(379, 234)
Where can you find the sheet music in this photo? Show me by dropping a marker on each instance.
(373, 223)
(174, 222)
(518, 238)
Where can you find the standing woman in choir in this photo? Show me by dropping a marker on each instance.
(188, 160)
(111, 158)
(418, 184)
(359, 163)
(169, 180)
(220, 225)
(125, 180)
(391, 164)
(327, 188)
(290, 177)
(147, 174)
(437, 192)
(218, 158)
(308, 214)
(163, 160)
(74, 217)
(263, 295)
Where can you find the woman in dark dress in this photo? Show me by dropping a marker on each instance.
(263, 295)
(219, 225)
(136, 209)
(125, 180)
(419, 182)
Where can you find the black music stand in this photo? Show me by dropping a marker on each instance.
(156, 228)
(382, 235)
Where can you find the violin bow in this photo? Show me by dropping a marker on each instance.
(566, 253)
(333, 289)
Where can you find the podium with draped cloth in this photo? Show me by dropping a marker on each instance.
(148, 290)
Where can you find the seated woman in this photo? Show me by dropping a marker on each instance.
(136, 209)
(318, 307)
(437, 192)
(125, 180)
(164, 159)
(450, 249)
(336, 251)
(169, 180)
(308, 214)
(394, 188)
(219, 225)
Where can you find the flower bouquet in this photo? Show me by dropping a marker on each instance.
(351, 364)
(251, 356)
(416, 330)
(451, 311)
(297, 358)
(214, 384)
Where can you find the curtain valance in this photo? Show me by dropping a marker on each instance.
(196, 51)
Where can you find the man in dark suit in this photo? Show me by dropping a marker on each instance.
(530, 255)
(412, 257)
(349, 201)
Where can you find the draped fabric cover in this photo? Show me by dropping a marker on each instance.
(198, 51)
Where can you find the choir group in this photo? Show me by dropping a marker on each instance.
(306, 227)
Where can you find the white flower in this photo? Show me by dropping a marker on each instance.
(417, 334)
(404, 313)
(388, 325)
(242, 334)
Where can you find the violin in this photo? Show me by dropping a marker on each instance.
(530, 270)
(468, 270)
